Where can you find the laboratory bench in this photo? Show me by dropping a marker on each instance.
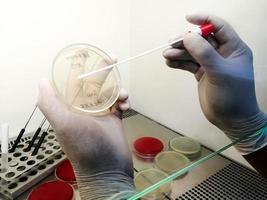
(207, 176)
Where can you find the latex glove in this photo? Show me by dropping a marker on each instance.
(95, 145)
(223, 67)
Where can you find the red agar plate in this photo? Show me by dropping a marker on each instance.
(64, 172)
(148, 147)
(53, 190)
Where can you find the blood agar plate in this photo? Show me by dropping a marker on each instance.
(171, 161)
(147, 147)
(148, 177)
(64, 172)
(186, 146)
(93, 94)
(53, 190)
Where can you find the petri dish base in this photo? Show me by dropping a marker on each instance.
(93, 94)
(147, 147)
(64, 172)
(171, 161)
(148, 177)
(186, 146)
(53, 190)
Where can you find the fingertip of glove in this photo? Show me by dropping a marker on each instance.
(166, 53)
(188, 16)
(124, 106)
(192, 40)
(123, 94)
(190, 35)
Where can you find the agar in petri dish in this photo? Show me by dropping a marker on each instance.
(147, 147)
(148, 177)
(53, 190)
(64, 172)
(185, 146)
(93, 94)
(171, 161)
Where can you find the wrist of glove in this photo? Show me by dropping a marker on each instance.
(252, 130)
(105, 185)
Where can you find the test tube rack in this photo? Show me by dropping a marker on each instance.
(25, 170)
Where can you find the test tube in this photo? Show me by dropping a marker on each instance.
(4, 146)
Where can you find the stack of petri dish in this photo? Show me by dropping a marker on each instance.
(171, 161)
(186, 146)
(181, 150)
(147, 148)
(64, 188)
(148, 177)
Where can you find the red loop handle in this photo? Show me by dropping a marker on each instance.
(206, 29)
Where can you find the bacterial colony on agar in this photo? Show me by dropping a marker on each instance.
(93, 94)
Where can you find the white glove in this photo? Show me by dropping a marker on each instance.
(223, 67)
(95, 145)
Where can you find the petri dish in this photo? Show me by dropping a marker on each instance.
(53, 190)
(148, 177)
(93, 94)
(64, 172)
(147, 147)
(186, 146)
(171, 161)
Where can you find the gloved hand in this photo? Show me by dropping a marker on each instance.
(223, 67)
(95, 145)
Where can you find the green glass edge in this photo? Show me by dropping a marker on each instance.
(182, 171)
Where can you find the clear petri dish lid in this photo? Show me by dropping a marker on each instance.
(92, 94)
(148, 177)
(147, 147)
(171, 161)
(186, 146)
(53, 190)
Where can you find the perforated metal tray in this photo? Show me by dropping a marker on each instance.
(233, 182)
(25, 170)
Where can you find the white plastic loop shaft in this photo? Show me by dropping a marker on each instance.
(202, 30)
